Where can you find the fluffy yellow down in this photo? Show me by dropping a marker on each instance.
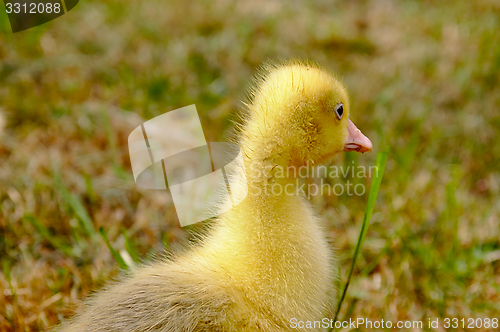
(265, 261)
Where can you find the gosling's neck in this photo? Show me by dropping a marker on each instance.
(271, 242)
(273, 155)
(271, 146)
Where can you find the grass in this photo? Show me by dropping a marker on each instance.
(372, 198)
(114, 253)
(423, 79)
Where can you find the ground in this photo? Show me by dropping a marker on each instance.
(423, 79)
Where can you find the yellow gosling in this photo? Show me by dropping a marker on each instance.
(266, 261)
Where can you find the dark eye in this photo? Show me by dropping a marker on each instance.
(339, 110)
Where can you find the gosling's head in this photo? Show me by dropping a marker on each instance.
(301, 114)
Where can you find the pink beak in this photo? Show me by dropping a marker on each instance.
(356, 141)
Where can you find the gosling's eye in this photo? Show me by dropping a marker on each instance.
(339, 110)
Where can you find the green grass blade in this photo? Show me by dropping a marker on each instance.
(130, 247)
(45, 233)
(6, 273)
(115, 254)
(81, 213)
(372, 198)
(75, 204)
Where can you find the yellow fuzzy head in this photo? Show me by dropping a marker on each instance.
(299, 114)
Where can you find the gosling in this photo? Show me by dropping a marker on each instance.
(266, 261)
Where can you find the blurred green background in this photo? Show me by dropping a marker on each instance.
(424, 78)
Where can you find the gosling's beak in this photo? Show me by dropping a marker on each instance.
(356, 141)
